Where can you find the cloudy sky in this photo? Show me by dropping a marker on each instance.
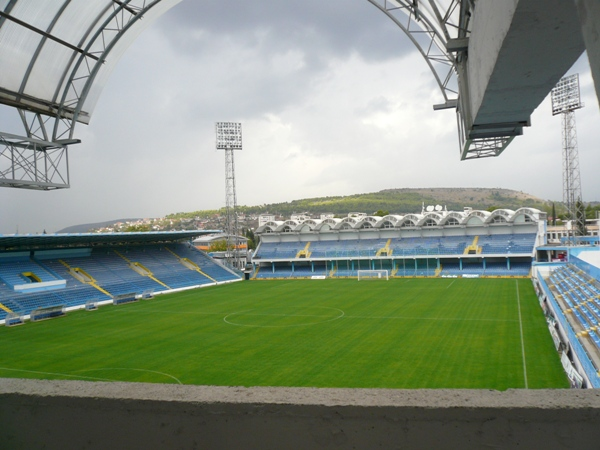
(333, 99)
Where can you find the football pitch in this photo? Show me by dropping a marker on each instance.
(402, 333)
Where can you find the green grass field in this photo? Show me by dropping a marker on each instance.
(402, 333)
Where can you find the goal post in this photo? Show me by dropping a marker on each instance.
(381, 274)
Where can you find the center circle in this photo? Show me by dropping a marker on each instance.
(283, 316)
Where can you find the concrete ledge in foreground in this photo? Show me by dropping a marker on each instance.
(88, 415)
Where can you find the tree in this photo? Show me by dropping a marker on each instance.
(381, 213)
(251, 239)
(553, 214)
(218, 246)
(580, 218)
(137, 228)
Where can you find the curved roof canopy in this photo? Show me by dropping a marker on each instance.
(430, 219)
(21, 242)
(57, 55)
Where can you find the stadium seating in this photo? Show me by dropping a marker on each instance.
(507, 243)
(10, 272)
(112, 271)
(418, 246)
(413, 256)
(579, 292)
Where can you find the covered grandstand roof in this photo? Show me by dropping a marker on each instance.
(465, 218)
(61, 52)
(15, 242)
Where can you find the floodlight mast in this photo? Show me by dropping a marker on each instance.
(565, 100)
(229, 139)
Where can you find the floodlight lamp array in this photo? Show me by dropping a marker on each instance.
(565, 95)
(229, 135)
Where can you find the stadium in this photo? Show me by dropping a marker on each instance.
(447, 328)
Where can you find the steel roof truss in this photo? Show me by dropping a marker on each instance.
(45, 34)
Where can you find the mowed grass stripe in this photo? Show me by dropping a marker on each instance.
(426, 333)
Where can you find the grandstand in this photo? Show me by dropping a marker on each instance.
(70, 270)
(569, 292)
(468, 243)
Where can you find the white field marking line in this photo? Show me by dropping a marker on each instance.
(129, 368)
(55, 374)
(460, 319)
(280, 315)
(522, 341)
(342, 314)
(450, 284)
(166, 311)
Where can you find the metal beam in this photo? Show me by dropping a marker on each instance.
(457, 45)
(46, 35)
(26, 142)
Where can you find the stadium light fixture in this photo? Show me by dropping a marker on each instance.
(565, 100)
(229, 138)
(565, 95)
(229, 135)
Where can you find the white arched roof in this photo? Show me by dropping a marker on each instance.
(269, 227)
(346, 223)
(288, 225)
(367, 222)
(410, 220)
(523, 215)
(61, 52)
(476, 217)
(468, 218)
(500, 216)
(453, 216)
(434, 217)
(390, 218)
(327, 224)
(307, 225)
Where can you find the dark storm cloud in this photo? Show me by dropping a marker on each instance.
(264, 56)
(334, 100)
(323, 29)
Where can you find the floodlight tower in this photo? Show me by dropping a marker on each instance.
(565, 100)
(229, 138)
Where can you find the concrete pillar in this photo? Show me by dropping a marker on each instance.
(589, 16)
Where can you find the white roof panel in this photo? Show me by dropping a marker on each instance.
(55, 56)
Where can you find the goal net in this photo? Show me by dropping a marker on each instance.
(381, 274)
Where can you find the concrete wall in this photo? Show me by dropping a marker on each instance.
(83, 415)
(589, 16)
(487, 37)
(518, 51)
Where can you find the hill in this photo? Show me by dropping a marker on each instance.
(86, 227)
(396, 201)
